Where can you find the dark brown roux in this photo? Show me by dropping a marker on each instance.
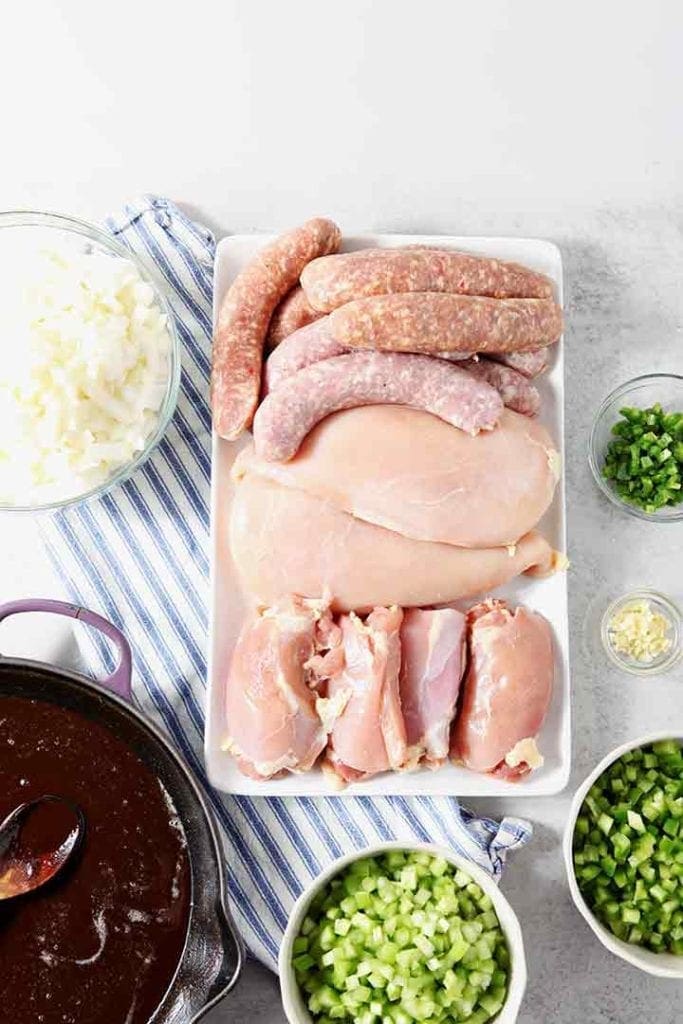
(101, 944)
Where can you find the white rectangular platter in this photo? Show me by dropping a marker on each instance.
(548, 596)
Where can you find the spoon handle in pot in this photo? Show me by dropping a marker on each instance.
(119, 682)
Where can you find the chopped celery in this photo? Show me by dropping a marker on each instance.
(403, 938)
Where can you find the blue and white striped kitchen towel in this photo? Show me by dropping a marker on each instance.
(139, 556)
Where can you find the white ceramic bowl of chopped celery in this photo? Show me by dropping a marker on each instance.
(647, 847)
(89, 361)
(396, 971)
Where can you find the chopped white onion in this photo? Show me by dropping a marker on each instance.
(83, 375)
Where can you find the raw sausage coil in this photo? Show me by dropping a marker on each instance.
(530, 364)
(432, 323)
(310, 344)
(292, 313)
(244, 317)
(515, 390)
(331, 281)
(313, 344)
(369, 378)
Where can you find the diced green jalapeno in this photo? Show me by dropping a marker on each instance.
(644, 459)
(628, 845)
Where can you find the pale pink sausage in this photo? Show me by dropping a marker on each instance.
(530, 364)
(515, 390)
(287, 415)
(433, 323)
(244, 317)
(308, 345)
(293, 312)
(331, 281)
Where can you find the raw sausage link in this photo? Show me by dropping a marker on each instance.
(331, 281)
(308, 345)
(531, 364)
(433, 323)
(312, 344)
(515, 390)
(244, 316)
(293, 312)
(370, 378)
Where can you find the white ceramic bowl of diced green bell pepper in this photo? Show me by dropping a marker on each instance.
(630, 850)
(482, 960)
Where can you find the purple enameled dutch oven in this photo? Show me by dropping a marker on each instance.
(212, 955)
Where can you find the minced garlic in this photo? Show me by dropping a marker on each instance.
(639, 632)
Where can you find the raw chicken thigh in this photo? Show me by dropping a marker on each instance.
(506, 691)
(432, 663)
(283, 540)
(369, 735)
(413, 473)
(275, 719)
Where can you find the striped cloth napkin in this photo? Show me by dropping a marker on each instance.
(139, 557)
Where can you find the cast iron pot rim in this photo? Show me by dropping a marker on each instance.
(102, 691)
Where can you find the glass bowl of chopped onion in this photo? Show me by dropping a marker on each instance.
(641, 633)
(635, 449)
(90, 367)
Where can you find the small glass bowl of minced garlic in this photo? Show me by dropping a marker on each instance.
(641, 633)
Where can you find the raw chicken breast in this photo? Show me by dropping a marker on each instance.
(369, 735)
(506, 692)
(432, 663)
(413, 473)
(285, 541)
(275, 720)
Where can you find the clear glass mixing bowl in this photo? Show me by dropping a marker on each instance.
(50, 229)
(642, 392)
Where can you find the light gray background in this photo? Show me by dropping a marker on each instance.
(557, 121)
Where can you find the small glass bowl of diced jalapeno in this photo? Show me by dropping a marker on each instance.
(636, 447)
(623, 850)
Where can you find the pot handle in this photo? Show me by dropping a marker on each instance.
(231, 954)
(119, 682)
